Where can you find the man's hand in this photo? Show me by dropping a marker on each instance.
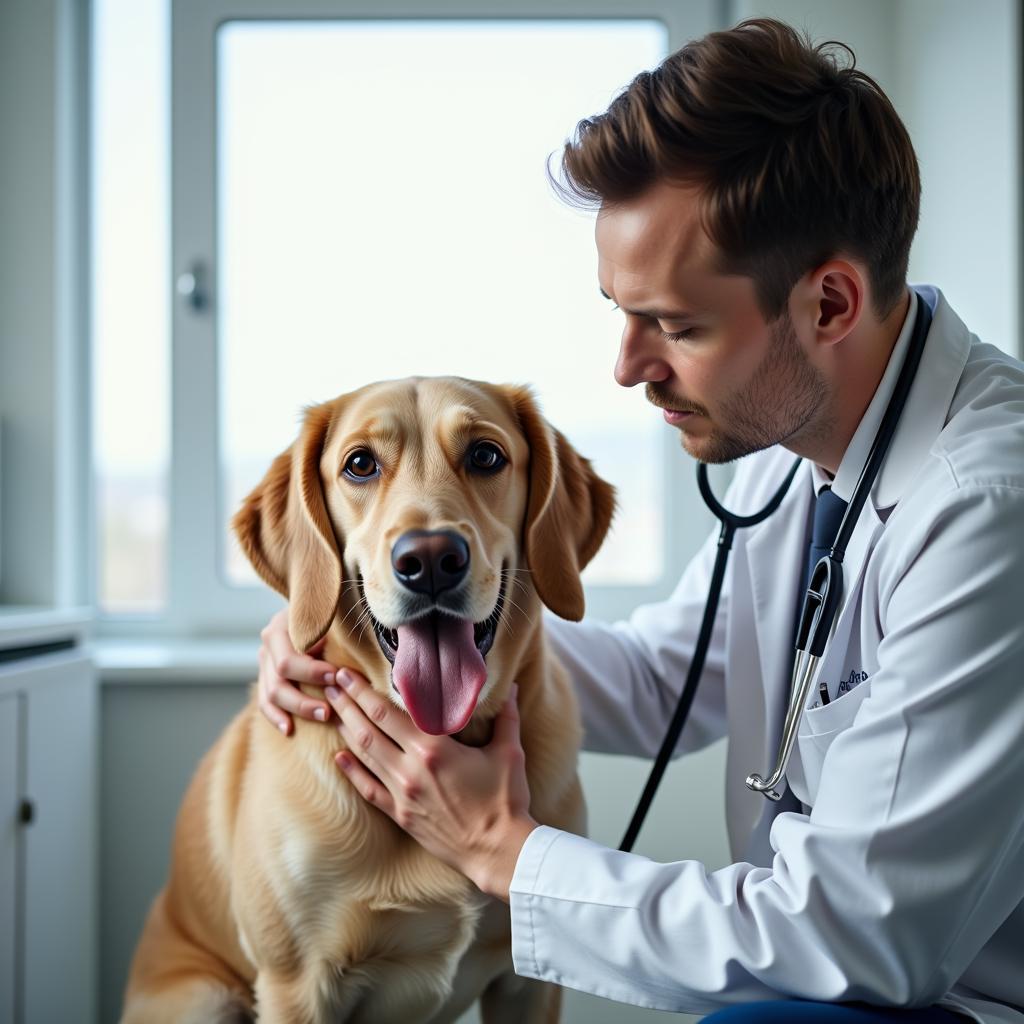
(281, 667)
(468, 806)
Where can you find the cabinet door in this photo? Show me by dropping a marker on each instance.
(60, 843)
(55, 949)
(10, 828)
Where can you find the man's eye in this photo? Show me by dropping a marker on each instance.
(485, 457)
(361, 465)
(683, 335)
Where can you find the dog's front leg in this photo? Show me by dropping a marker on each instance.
(304, 997)
(279, 998)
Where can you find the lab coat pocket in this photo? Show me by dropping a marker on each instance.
(818, 729)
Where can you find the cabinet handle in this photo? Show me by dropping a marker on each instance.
(26, 812)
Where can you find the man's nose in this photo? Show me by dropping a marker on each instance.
(430, 561)
(641, 357)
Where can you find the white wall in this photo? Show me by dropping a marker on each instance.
(952, 70)
(958, 84)
(27, 262)
(42, 337)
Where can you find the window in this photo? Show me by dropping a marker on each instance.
(383, 210)
(131, 304)
(356, 196)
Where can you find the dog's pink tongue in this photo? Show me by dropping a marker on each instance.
(439, 672)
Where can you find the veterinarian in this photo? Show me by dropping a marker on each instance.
(757, 200)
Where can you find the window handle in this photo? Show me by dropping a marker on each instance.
(192, 286)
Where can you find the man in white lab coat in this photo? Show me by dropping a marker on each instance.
(757, 203)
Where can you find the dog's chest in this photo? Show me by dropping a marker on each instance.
(406, 963)
(396, 935)
(426, 964)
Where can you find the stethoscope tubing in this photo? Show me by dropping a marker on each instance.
(730, 523)
(886, 431)
(821, 601)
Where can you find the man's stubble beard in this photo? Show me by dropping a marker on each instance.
(784, 401)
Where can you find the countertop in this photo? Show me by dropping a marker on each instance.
(33, 625)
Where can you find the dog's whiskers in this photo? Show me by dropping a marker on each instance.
(354, 607)
(356, 623)
(358, 605)
(362, 619)
(365, 619)
(509, 575)
(518, 582)
(512, 601)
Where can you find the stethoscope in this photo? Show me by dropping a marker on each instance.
(821, 601)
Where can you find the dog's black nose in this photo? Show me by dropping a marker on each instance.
(429, 561)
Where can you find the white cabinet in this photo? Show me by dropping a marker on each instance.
(48, 814)
(10, 829)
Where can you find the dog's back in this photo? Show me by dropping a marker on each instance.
(190, 930)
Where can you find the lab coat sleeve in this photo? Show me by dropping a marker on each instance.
(912, 856)
(628, 675)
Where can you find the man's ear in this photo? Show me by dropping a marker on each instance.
(285, 532)
(568, 511)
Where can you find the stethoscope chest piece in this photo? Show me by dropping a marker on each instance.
(820, 607)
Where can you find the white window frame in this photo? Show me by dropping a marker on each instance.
(200, 600)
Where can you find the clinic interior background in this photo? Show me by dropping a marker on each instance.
(138, 404)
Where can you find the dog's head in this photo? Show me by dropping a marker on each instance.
(424, 518)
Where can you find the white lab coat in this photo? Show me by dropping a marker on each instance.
(904, 884)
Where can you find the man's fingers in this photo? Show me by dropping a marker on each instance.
(278, 692)
(282, 669)
(379, 710)
(301, 668)
(274, 701)
(276, 717)
(365, 741)
(288, 663)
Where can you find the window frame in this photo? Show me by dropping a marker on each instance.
(200, 600)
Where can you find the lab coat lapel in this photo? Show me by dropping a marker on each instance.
(942, 364)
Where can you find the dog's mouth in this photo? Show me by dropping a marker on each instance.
(483, 632)
(437, 663)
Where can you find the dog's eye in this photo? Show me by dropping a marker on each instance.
(361, 465)
(485, 457)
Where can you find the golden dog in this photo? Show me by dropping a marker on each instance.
(418, 524)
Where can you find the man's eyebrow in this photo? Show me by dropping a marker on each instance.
(657, 314)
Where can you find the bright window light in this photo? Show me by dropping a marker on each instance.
(130, 302)
(384, 210)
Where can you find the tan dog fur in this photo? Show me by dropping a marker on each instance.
(289, 896)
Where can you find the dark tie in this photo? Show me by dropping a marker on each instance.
(828, 514)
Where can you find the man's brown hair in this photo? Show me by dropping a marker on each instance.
(798, 158)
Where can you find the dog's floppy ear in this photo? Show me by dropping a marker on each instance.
(568, 512)
(284, 530)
